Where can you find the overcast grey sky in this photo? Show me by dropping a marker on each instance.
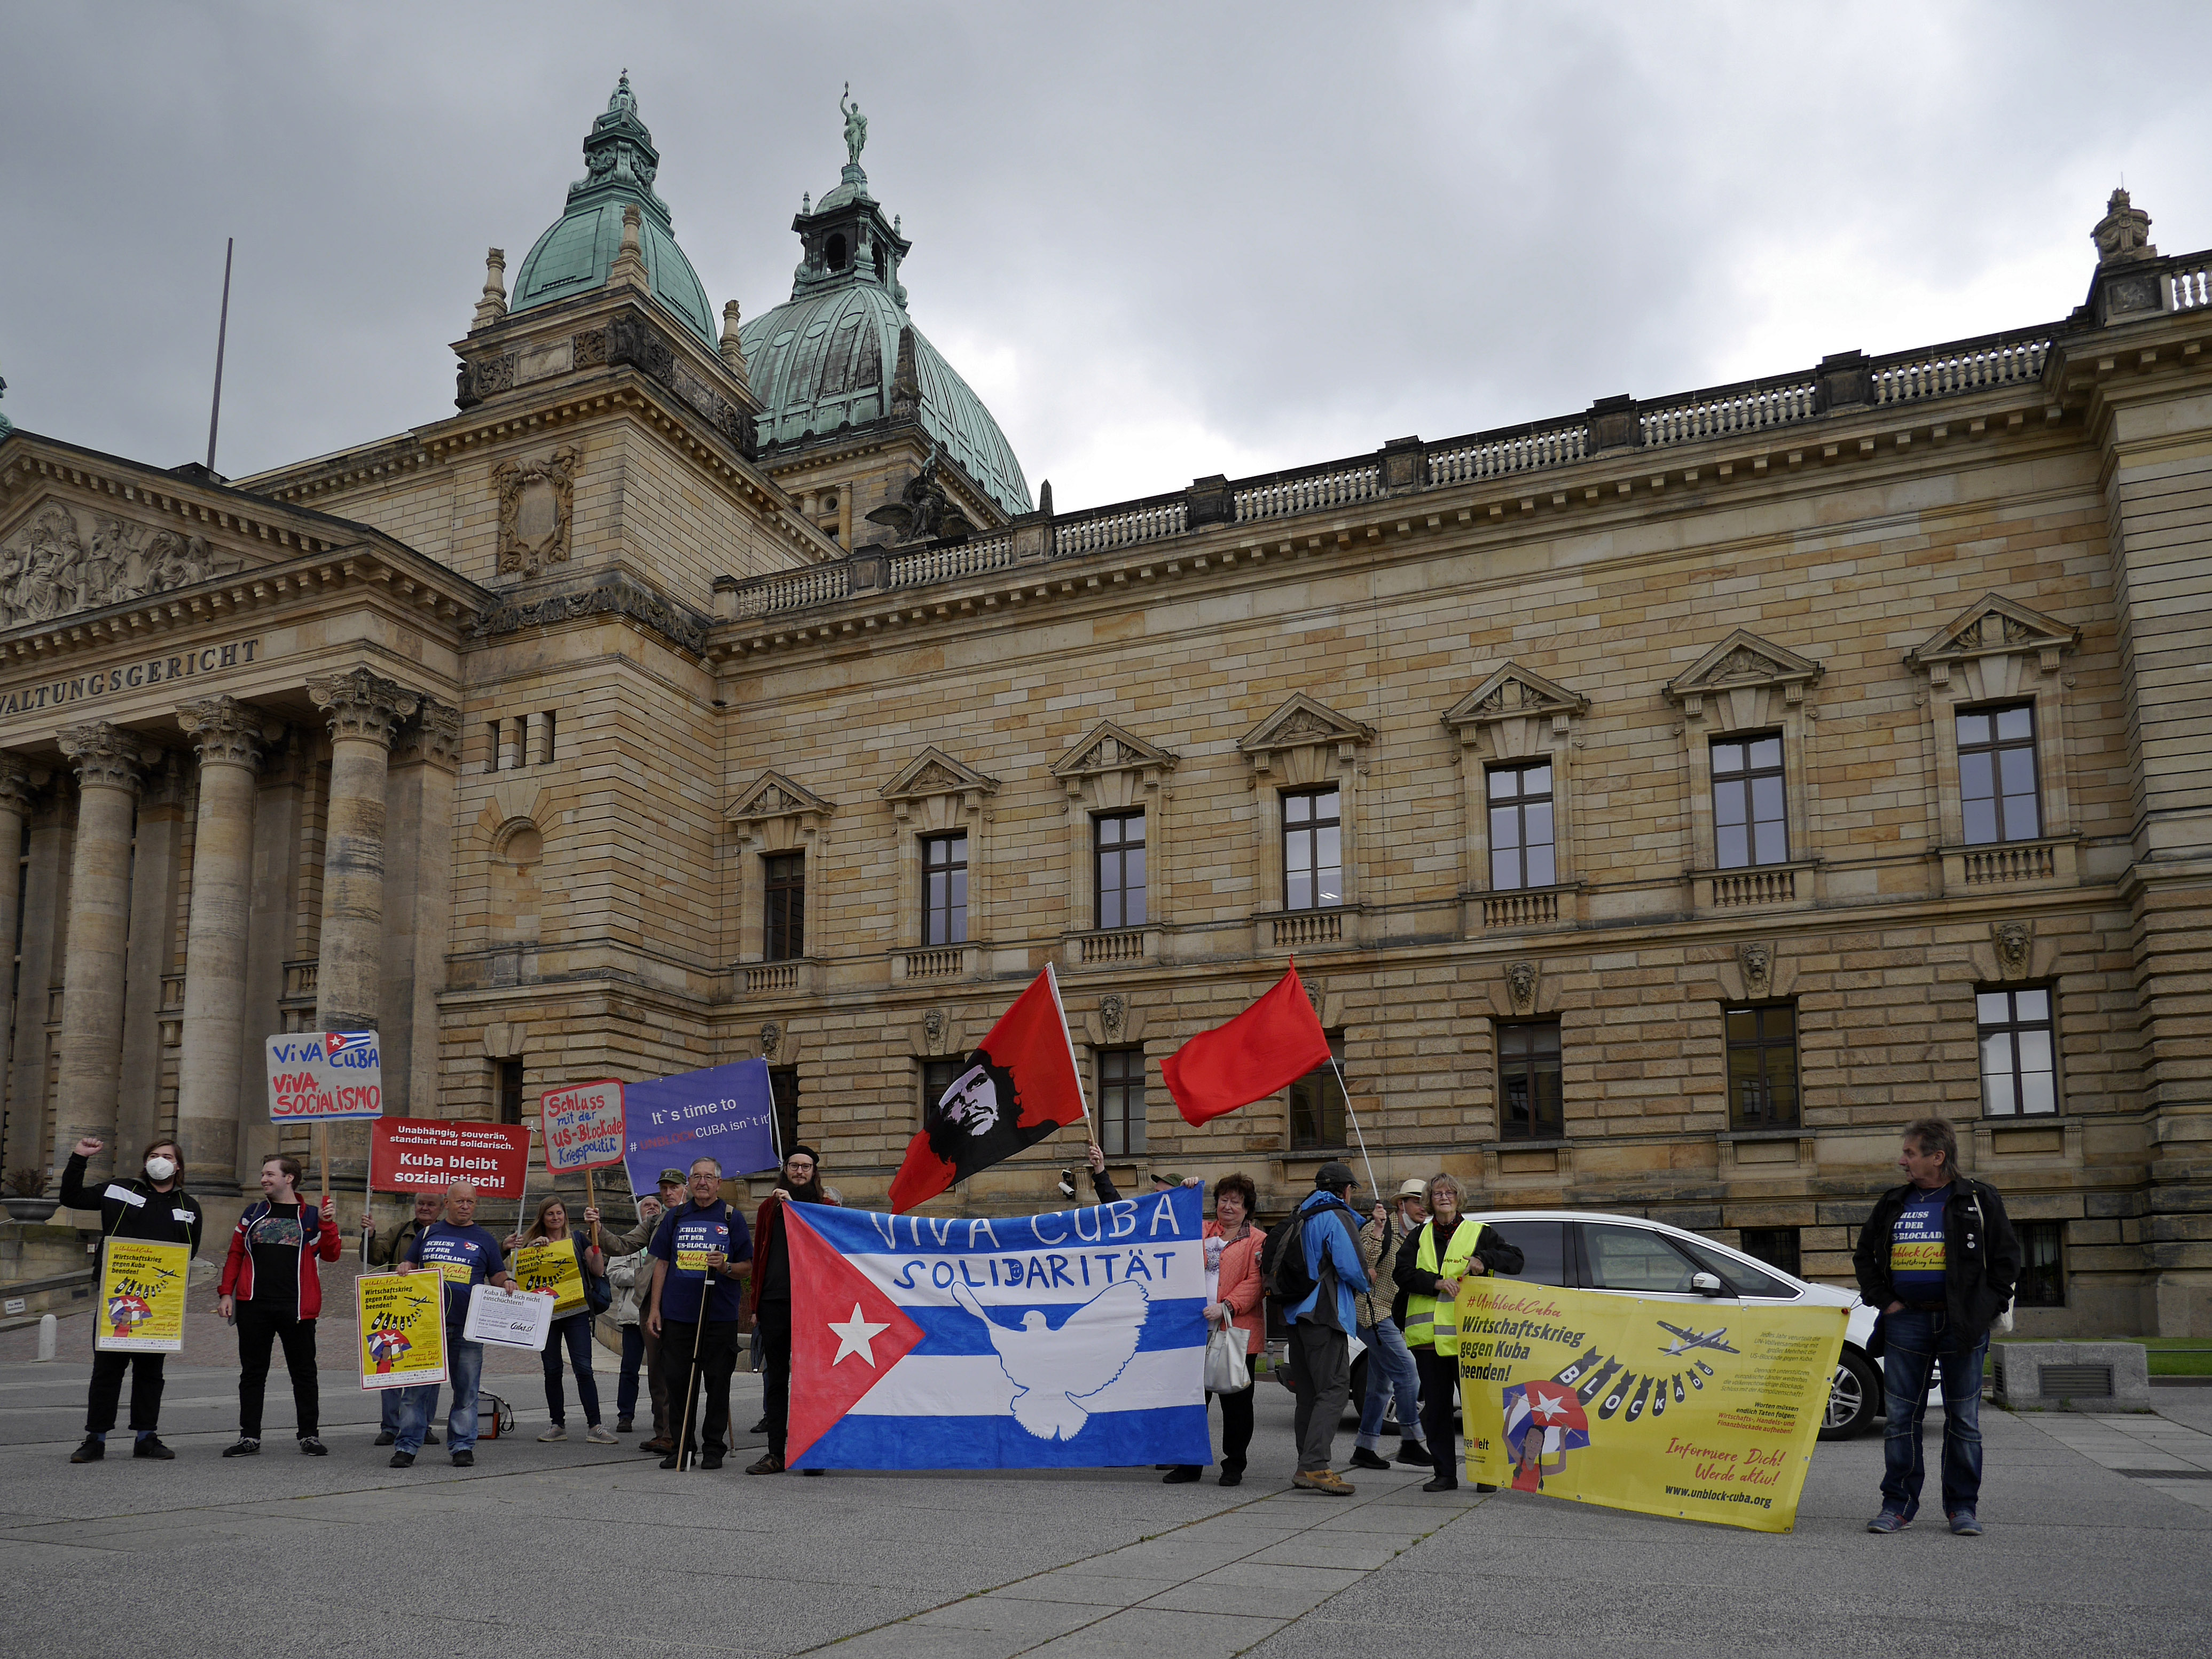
(1160, 241)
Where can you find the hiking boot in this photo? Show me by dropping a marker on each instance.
(1413, 1454)
(558, 1431)
(311, 1447)
(1363, 1459)
(151, 1446)
(1889, 1521)
(1963, 1524)
(385, 1438)
(243, 1448)
(1326, 1481)
(403, 1460)
(92, 1451)
(768, 1464)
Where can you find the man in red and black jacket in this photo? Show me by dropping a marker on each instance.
(272, 1287)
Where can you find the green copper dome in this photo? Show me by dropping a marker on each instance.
(575, 255)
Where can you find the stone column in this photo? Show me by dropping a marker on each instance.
(418, 903)
(156, 868)
(107, 763)
(364, 712)
(210, 1080)
(16, 788)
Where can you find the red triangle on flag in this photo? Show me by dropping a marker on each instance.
(845, 1334)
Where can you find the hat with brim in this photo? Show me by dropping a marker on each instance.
(1413, 1188)
(1335, 1176)
(667, 1178)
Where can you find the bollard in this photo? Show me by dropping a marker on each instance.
(49, 1334)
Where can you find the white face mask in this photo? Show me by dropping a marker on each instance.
(160, 1169)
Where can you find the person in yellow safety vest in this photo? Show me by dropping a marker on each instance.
(1430, 1268)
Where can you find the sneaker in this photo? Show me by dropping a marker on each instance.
(1413, 1454)
(1363, 1459)
(151, 1446)
(558, 1431)
(1889, 1521)
(1232, 1477)
(384, 1439)
(1326, 1481)
(244, 1447)
(92, 1451)
(311, 1447)
(597, 1436)
(768, 1464)
(1964, 1525)
(464, 1459)
(1443, 1483)
(621, 1425)
(403, 1460)
(712, 1460)
(1181, 1475)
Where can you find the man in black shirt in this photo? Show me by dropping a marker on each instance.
(272, 1288)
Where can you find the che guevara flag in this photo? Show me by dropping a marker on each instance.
(1017, 1088)
(1269, 1046)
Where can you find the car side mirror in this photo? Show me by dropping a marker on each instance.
(1707, 1284)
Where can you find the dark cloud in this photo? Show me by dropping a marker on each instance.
(1160, 241)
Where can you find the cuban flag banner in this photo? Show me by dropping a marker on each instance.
(1075, 1339)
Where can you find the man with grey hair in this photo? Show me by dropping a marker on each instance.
(1939, 1257)
(463, 1256)
(702, 1252)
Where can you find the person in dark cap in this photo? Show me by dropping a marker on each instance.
(1321, 1321)
(771, 1297)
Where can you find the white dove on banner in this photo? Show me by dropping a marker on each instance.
(1052, 1371)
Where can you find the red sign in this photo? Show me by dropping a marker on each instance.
(582, 1126)
(427, 1154)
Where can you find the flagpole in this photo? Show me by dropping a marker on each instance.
(1372, 1188)
(1075, 1065)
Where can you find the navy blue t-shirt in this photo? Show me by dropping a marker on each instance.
(683, 1240)
(1916, 1246)
(465, 1257)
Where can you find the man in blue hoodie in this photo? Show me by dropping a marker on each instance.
(1320, 1322)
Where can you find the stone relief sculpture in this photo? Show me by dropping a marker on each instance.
(53, 567)
(1756, 958)
(1521, 986)
(534, 501)
(2016, 946)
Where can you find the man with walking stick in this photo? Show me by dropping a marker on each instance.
(702, 1252)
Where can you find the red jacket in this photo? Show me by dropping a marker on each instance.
(237, 1266)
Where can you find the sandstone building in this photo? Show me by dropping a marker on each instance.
(1664, 803)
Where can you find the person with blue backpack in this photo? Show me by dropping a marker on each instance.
(1317, 1271)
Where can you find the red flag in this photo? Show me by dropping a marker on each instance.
(1017, 1087)
(836, 1357)
(1269, 1046)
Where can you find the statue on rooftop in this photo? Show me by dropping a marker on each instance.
(856, 127)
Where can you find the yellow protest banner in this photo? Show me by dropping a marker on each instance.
(552, 1267)
(402, 1329)
(1708, 1410)
(142, 1296)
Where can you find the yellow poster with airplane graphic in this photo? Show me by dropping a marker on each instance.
(552, 1268)
(1704, 1410)
(142, 1296)
(402, 1330)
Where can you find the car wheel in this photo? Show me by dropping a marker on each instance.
(1854, 1398)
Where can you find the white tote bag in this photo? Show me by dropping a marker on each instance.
(1225, 1370)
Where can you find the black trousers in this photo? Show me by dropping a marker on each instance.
(257, 1332)
(772, 1330)
(107, 1370)
(1440, 1411)
(1236, 1426)
(718, 1358)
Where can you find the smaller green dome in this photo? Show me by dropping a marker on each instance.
(578, 250)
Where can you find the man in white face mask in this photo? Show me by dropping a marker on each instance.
(155, 1207)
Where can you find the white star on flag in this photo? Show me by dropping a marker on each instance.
(856, 1335)
(1546, 1406)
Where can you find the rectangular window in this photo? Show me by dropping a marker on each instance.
(506, 1079)
(783, 890)
(783, 1093)
(2043, 1264)
(491, 734)
(1997, 795)
(2020, 1075)
(1529, 1106)
(1117, 848)
(945, 889)
(1762, 1067)
(1313, 856)
(1777, 1247)
(546, 733)
(1121, 1101)
(1521, 826)
(936, 1077)
(1750, 824)
(1317, 1104)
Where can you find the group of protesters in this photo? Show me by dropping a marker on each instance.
(1937, 1256)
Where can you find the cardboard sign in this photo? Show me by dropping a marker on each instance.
(551, 1266)
(509, 1319)
(420, 1154)
(725, 1112)
(324, 1077)
(583, 1126)
(142, 1296)
(402, 1330)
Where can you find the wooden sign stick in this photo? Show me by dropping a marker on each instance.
(323, 1158)
(591, 1202)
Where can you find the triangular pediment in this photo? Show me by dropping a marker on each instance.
(772, 795)
(1744, 659)
(1107, 748)
(1994, 623)
(64, 555)
(1512, 693)
(1300, 723)
(933, 772)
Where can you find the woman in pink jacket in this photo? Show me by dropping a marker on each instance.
(1237, 1303)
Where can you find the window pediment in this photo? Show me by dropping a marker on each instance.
(933, 775)
(1987, 645)
(1516, 695)
(772, 795)
(1302, 723)
(1107, 748)
(1743, 681)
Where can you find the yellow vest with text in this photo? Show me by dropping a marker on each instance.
(1423, 1328)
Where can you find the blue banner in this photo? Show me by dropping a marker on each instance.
(725, 1112)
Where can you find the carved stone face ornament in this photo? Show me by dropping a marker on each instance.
(1113, 1015)
(2015, 944)
(1757, 960)
(1520, 985)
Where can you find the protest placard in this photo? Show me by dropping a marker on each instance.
(538, 1268)
(507, 1319)
(324, 1077)
(725, 1113)
(142, 1296)
(1703, 1410)
(402, 1328)
(582, 1126)
(417, 1154)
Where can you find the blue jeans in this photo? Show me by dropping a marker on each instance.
(464, 1366)
(626, 1384)
(576, 1333)
(1915, 1342)
(1387, 1353)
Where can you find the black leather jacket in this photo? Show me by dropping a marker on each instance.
(1981, 1260)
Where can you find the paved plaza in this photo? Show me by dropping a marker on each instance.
(2099, 1533)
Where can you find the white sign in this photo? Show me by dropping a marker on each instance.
(324, 1077)
(509, 1319)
